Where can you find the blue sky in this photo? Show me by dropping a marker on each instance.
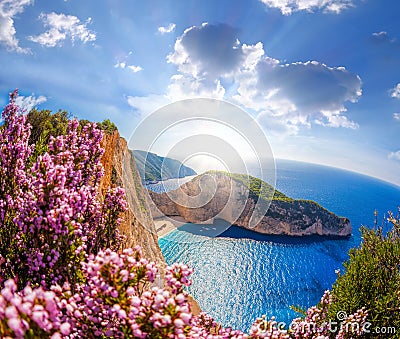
(322, 77)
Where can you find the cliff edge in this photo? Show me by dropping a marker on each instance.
(137, 225)
(120, 169)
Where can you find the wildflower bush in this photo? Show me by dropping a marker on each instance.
(318, 324)
(50, 214)
(62, 272)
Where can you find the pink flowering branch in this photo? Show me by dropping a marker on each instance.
(51, 216)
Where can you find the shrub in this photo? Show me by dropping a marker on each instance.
(107, 126)
(372, 278)
(45, 124)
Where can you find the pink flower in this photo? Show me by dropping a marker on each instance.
(65, 328)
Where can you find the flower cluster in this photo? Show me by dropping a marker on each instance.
(120, 299)
(51, 216)
(14, 151)
(317, 325)
(31, 311)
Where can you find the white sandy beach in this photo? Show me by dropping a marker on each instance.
(166, 225)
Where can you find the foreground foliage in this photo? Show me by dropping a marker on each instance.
(50, 214)
(372, 279)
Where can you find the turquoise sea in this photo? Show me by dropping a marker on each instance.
(241, 275)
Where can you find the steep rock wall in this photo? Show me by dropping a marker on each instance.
(120, 169)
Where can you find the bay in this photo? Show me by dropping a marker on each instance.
(241, 275)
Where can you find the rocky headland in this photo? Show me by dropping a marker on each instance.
(283, 216)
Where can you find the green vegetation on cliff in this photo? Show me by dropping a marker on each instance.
(261, 189)
(154, 167)
(257, 187)
(45, 124)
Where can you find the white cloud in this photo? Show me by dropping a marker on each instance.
(167, 29)
(8, 10)
(394, 155)
(212, 62)
(207, 51)
(120, 65)
(287, 7)
(336, 120)
(123, 65)
(134, 68)
(60, 27)
(396, 116)
(204, 56)
(382, 35)
(148, 104)
(300, 93)
(28, 103)
(275, 126)
(395, 92)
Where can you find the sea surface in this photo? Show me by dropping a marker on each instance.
(240, 275)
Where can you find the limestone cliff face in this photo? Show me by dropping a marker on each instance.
(300, 217)
(284, 216)
(137, 225)
(120, 169)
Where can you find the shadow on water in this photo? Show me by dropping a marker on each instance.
(207, 230)
(236, 232)
(223, 229)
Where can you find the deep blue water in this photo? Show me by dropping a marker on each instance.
(240, 275)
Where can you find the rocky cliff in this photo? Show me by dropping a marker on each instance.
(120, 169)
(283, 216)
(137, 225)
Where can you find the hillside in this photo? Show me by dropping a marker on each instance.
(154, 167)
